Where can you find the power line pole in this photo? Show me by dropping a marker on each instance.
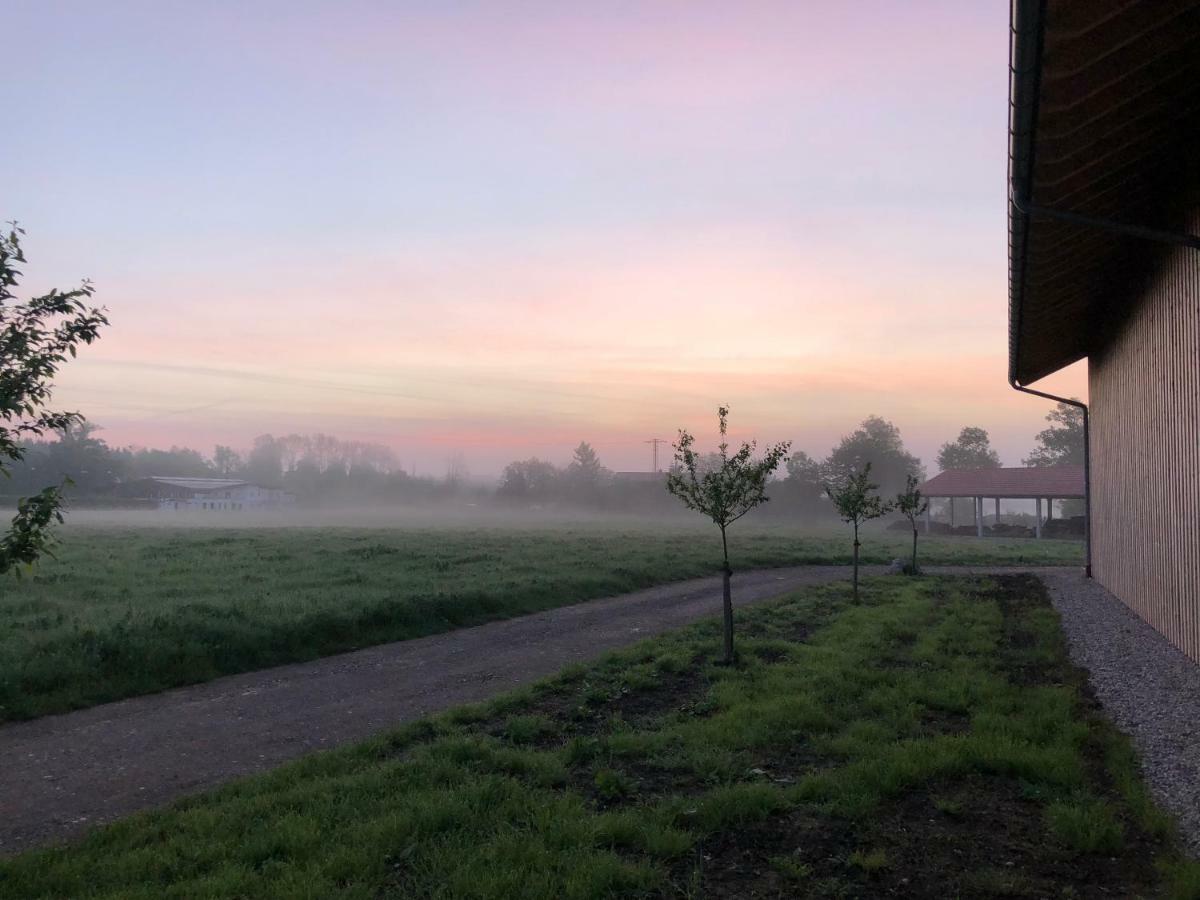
(655, 442)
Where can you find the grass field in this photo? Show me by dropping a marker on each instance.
(126, 611)
(930, 741)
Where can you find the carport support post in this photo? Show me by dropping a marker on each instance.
(997, 510)
(1037, 517)
(1049, 508)
(928, 515)
(978, 517)
(951, 513)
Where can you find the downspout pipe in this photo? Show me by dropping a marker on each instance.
(1087, 464)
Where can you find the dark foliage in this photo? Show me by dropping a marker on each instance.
(972, 450)
(876, 443)
(1061, 443)
(36, 338)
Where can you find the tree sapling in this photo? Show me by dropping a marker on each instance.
(856, 501)
(724, 488)
(912, 505)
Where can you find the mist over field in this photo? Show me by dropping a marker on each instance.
(434, 516)
(317, 479)
(589, 451)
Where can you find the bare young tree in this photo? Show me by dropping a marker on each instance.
(457, 472)
(36, 337)
(912, 505)
(724, 489)
(857, 502)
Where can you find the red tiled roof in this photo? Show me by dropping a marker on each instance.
(1025, 482)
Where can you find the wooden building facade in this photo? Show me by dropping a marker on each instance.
(1144, 388)
(1104, 264)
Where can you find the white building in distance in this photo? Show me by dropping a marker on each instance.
(208, 494)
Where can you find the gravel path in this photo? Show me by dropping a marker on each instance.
(1148, 688)
(59, 775)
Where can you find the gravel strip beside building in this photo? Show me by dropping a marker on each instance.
(1149, 688)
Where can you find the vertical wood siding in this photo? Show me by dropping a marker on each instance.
(1145, 400)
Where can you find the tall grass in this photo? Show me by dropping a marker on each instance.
(130, 611)
(608, 780)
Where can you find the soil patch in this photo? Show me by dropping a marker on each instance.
(979, 837)
(976, 836)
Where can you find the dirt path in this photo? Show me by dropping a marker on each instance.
(60, 775)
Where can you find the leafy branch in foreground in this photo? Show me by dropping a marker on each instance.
(36, 338)
(723, 487)
(28, 537)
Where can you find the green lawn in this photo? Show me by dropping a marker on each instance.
(126, 611)
(932, 741)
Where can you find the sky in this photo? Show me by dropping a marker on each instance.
(493, 230)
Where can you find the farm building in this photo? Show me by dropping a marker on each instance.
(207, 494)
(1104, 228)
(1042, 485)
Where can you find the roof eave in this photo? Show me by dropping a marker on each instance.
(1025, 69)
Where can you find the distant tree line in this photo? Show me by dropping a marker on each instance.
(317, 468)
(799, 492)
(322, 469)
(802, 489)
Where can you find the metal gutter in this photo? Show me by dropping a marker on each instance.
(1026, 40)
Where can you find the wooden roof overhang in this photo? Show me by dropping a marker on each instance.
(1103, 165)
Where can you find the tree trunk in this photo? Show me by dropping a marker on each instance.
(855, 562)
(727, 600)
(914, 558)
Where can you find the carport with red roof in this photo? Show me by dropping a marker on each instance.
(1044, 483)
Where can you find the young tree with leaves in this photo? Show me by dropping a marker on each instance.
(724, 492)
(36, 337)
(856, 501)
(912, 505)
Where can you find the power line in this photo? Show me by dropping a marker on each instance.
(655, 442)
